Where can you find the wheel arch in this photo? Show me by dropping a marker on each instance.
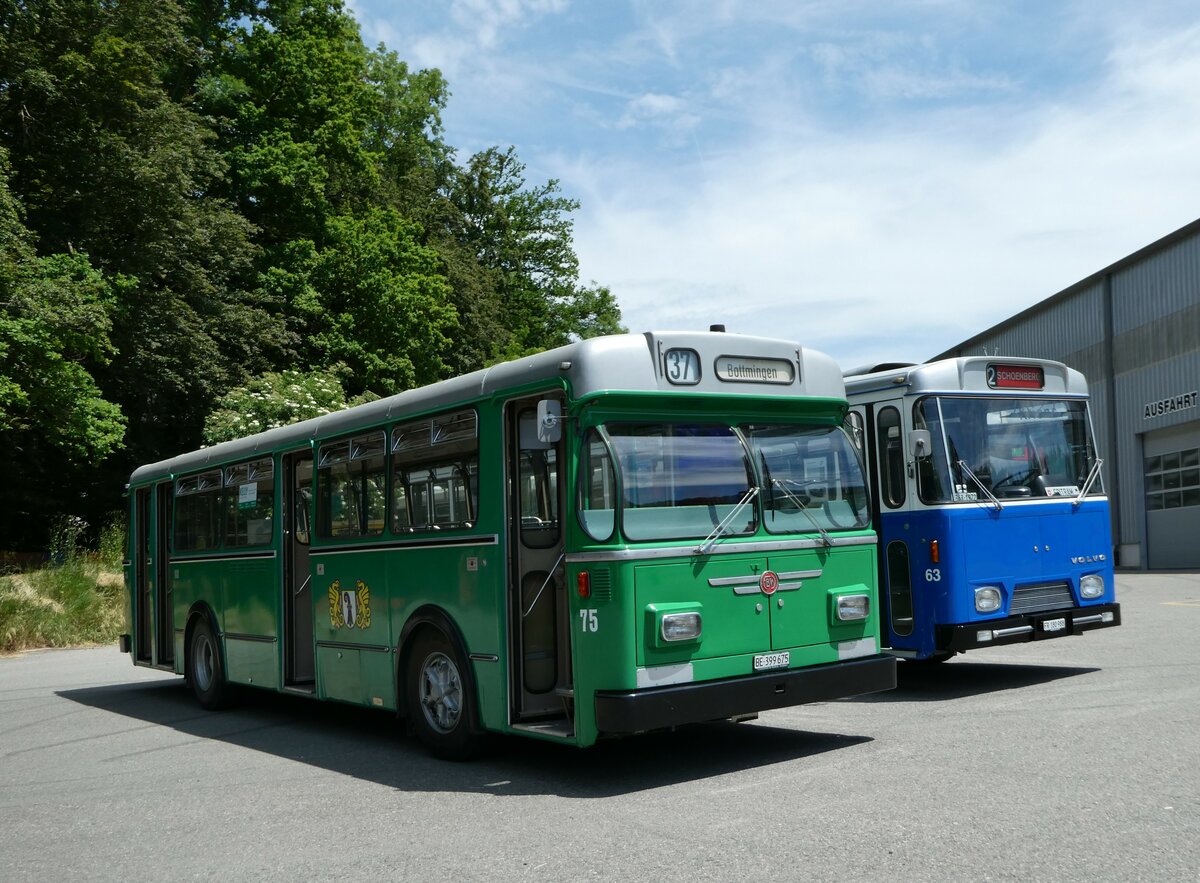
(430, 616)
(201, 611)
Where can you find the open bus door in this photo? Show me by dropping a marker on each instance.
(298, 634)
(540, 652)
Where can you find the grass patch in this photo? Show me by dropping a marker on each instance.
(80, 601)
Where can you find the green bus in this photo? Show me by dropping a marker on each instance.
(624, 534)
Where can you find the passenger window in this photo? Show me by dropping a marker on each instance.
(891, 457)
(198, 512)
(435, 473)
(351, 487)
(249, 504)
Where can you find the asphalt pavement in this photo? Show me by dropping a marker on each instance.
(1076, 758)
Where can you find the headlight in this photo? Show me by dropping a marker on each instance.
(987, 599)
(1091, 586)
(680, 626)
(851, 608)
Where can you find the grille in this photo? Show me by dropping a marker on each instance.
(602, 584)
(1035, 599)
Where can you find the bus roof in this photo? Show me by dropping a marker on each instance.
(727, 363)
(988, 375)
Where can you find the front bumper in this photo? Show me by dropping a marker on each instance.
(1033, 627)
(635, 711)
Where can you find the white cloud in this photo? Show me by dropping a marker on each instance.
(900, 241)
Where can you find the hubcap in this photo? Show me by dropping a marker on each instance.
(440, 692)
(202, 666)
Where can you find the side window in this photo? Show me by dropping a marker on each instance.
(597, 485)
(249, 503)
(435, 473)
(198, 512)
(351, 489)
(891, 456)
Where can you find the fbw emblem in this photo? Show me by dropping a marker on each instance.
(349, 607)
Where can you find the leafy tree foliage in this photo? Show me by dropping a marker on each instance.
(207, 196)
(275, 399)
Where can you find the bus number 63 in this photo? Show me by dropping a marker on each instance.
(933, 575)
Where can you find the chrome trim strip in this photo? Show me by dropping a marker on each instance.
(194, 559)
(747, 590)
(258, 639)
(639, 554)
(343, 645)
(485, 657)
(800, 574)
(718, 581)
(427, 543)
(1015, 630)
(1084, 620)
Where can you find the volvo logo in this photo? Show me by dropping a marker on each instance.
(1089, 559)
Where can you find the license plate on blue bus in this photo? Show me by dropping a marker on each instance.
(765, 661)
(1054, 625)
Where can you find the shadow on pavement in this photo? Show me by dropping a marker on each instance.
(371, 745)
(925, 682)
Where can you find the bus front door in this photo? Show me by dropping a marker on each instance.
(165, 601)
(538, 616)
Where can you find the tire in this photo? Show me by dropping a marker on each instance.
(205, 670)
(935, 659)
(441, 698)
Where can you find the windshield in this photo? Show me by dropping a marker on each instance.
(1015, 448)
(811, 476)
(683, 480)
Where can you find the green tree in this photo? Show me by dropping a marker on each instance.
(523, 236)
(54, 334)
(275, 399)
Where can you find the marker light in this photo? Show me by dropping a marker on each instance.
(987, 599)
(851, 608)
(934, 553)
(1091, 586)
(983, 635)
(583, 584)
(680, 626)
(1106, 616)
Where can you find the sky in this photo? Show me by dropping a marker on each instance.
(879, 181)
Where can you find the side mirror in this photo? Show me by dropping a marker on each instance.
(549, 421)
(919, 443)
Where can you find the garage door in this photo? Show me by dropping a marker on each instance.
(1172, 482)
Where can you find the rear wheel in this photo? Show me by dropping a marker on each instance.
(205, 671)
(441, 702)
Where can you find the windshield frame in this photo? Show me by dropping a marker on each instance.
(603, 499)
(1060, 465)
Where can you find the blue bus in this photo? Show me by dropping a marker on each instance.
(988, 500)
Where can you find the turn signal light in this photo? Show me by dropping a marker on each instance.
(583, 584)
(934, 554)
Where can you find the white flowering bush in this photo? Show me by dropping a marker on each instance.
(273, 400)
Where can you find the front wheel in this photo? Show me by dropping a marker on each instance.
(205, 671)
(441, 703)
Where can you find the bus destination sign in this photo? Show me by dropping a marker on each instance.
(741, 369)
(1015, 377)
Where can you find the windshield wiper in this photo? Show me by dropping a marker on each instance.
(1087, 485)
(779, 482)
(962, 464)
(717, 532)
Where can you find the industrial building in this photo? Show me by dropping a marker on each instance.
(1133, 329)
